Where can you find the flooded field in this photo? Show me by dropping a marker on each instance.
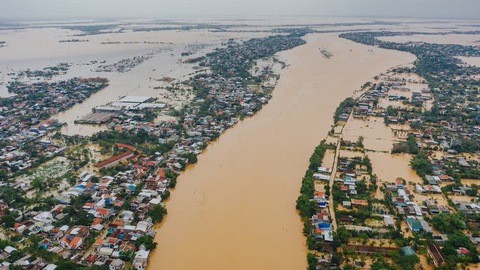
(377, 136)
(470, 182)
(474, 61)
(235, 209)
(388, 167)
(380, 138)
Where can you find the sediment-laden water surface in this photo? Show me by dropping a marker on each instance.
(235, 209)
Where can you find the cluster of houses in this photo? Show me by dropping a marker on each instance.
(45, 73)
(103, 220)
(448, 134)
(234, 58)
(443, 135)
(406, 207)
(347, 184)
(25, 262)
(127, 64)
(371, 103)
(16, 157)
(223, 96)
(115, 210)
(415, 213)
(25, 118)
(441, 122)
(321, 221)
(469, 208)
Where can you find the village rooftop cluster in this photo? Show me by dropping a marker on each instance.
(25, 119)
(101, 212)
(353, 219)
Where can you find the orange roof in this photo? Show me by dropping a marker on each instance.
(113, 159)
(103, 211)
(99, 242)
(58, 208)
(161, 173)
(96, 221)
(360, 202)
(117, 223)
(119, 204)
(126, 146)
(444, 177)
(111, 240)
(76, 241)
(88, 205)
(151, 163)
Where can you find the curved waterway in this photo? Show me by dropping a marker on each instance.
(235, 209)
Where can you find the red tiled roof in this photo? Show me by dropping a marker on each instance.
(74, 243)
(113, 159)
(161, 173)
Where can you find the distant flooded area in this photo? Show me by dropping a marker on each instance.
(474, 61)
(216, 121)
(85, 54)
(439, 39)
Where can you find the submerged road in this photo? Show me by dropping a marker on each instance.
(331, 205)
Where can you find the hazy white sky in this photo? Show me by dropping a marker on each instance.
(170, 9)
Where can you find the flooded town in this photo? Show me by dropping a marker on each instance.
(291, 143)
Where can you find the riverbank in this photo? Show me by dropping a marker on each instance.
(230, 209)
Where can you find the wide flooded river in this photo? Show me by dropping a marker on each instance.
(235, 209)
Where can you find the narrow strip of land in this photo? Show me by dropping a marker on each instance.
(331, 205)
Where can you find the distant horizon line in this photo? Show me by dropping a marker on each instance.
(221, 18)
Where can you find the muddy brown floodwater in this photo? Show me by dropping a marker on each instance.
(235, 209)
